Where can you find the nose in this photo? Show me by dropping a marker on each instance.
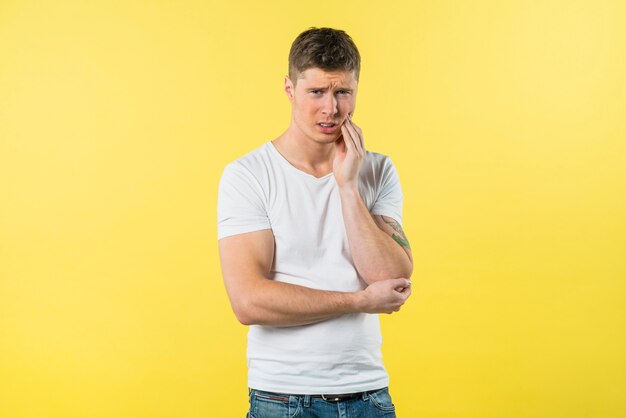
(330, 105)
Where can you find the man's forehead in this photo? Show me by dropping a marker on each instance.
(319, 76)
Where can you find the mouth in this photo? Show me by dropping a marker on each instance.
(328, 128)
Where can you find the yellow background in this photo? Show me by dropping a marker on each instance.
(505, 119)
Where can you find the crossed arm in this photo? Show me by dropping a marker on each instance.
(379, 248)
(246, 261)
(380, 252)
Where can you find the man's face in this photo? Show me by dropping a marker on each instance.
(321, 101)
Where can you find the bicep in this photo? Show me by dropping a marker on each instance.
(393, 228)
(245, 258)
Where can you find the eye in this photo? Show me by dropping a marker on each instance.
(316, 91)
(344, 92)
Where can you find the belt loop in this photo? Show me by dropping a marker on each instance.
(307, 401)
(365, 396)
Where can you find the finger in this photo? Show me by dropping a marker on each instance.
(400, 282)
(347, 137)
(340, 144)
(360, 131)
(353, 133)
(357, 132)
(355, 136)
(404, 287)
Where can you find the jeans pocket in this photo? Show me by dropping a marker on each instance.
(269, 405)
(382, 400)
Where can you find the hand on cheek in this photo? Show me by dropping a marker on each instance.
(349, 154)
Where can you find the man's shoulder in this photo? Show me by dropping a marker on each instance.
(377, 162)
(256, 156)
(254, 162)
(377, 172)
(376, 157)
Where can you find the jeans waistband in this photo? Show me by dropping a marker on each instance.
(327, 397)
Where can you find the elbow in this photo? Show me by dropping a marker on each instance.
(244, 312)
(248, 305)
(243, 317)
(409, 270)
(405, 272)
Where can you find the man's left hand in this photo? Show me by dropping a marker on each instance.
(349, 154)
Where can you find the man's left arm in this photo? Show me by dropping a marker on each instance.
(378, 245)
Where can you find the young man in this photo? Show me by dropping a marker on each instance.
(312, 249)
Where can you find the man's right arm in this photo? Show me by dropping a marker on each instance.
(246, 261)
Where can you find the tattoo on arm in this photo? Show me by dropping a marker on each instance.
(400, 238)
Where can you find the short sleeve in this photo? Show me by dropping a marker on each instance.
(389, 199)
(240, 203)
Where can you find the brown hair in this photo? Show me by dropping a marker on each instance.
(324, 48)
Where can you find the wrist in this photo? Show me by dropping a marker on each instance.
(348, 189)
(359, 302)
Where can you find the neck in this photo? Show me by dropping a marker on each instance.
(312, 157)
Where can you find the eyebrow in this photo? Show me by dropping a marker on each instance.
(326, 88)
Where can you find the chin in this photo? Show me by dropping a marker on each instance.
(323, 139)
(328, 139)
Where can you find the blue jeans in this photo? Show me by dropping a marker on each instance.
(372, 404)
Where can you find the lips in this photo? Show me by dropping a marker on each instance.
(327, 128)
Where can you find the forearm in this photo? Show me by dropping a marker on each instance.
(377, 256)
(279, 304)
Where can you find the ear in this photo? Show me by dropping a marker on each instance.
(290, 89)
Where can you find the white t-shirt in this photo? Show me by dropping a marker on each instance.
(262, 190)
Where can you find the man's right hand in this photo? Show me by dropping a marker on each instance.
(385, 296)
